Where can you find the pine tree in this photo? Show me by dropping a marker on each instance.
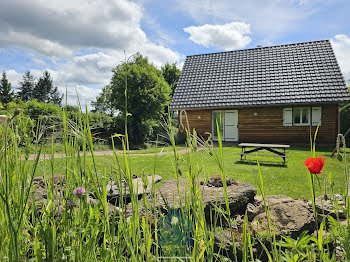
(44, 91)
(26, 87)
(6, 93)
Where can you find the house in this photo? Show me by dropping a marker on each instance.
(267, 94)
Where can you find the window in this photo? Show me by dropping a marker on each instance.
(316, 116)
(218, 117)
(301, 116)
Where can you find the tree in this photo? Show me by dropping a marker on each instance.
(103, 102)
(6, 93)
(26, 87)
(345, 116)
(44, 91)
(171, 75)
(147, 95)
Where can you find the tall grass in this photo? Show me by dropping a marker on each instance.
(67, 227)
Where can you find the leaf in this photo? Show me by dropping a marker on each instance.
(117, 135)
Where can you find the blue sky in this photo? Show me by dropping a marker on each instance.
(80, 41)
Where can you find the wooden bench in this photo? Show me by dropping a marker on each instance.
(275, 149)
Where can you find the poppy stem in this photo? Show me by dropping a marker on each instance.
(314, 198)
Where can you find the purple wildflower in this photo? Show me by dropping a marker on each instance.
(79, 191)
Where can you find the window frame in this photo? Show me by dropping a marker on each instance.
(213, 126)
(301, 114)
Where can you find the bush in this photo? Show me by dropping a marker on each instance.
(103, 126)
(36, 109)
(9, 111)
(180, 138)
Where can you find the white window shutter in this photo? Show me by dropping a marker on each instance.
(316, 116)
(287, 116)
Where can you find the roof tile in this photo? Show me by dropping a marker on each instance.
(295, 73)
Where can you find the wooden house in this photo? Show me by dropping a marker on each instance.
(271, 94)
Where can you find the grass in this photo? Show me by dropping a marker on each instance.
(88, 231)
(154, 149)
(279, 180)
(59, 148)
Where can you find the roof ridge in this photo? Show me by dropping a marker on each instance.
(262, 47)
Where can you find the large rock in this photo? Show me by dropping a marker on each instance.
(238, 194)
(139, 187)
(333, 205)
(287, 215)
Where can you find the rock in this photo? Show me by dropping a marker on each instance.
(113, 192)
(339, 254)
(252, 211)
(41, 191)
(329, 206)
(216, 181)
(3, 119)
(239, 195)
(41, 187)
(287, 215)
(223, 244)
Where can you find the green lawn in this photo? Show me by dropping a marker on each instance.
(59, 148)
(155, 150)
(290, 180)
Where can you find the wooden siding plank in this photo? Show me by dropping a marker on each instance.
(267, 125)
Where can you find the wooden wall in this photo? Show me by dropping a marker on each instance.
(267, 125)
(200, 120)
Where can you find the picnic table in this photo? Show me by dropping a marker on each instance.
(251, 149)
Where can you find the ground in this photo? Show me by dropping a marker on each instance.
(290, 180)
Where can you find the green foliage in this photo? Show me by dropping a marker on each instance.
(44, 91)
(6, 93)
(345, 118)
(171, 75)
(35, 109)
(104, 126)
(147, 94)
(103, 103)
(77, 228)
(26, 87)
(10, 109)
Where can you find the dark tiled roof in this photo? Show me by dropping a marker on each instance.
(285, 74)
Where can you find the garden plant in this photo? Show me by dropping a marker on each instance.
(74, 222)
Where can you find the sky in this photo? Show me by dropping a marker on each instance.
(80, 41)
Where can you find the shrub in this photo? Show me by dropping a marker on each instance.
(35, 109)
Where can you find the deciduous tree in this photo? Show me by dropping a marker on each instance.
(171, 75)
(103, 103)
(147, 95)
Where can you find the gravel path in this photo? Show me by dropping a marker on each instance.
(110, 153)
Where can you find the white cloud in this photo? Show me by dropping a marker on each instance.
(227, 36)
(269, 18)
(83, 39)
(61, 28)
(43, 46)
(341, 46)
(13, 77)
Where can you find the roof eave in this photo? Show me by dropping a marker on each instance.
(260, 105)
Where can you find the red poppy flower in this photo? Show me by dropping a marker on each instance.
(315, 165)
